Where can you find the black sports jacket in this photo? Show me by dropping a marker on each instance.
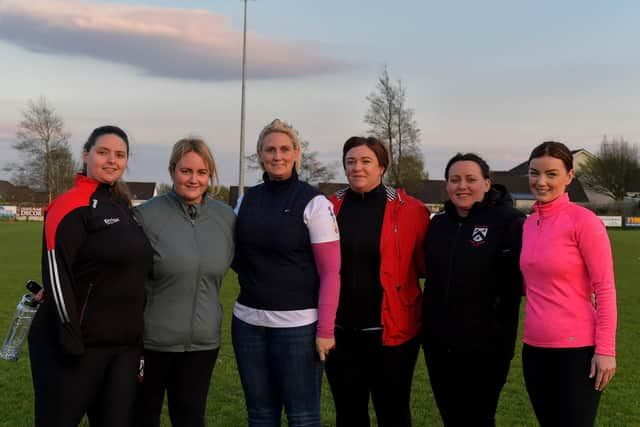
(473, 286)
(94, 263)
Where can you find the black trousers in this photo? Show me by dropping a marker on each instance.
(558, 383)
(466, 385)
(360, 366)
(185, 376)
(101, 383)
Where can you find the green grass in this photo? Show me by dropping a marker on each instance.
(620, 406)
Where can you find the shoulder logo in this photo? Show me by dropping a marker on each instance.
(479, 235)
(111, 221)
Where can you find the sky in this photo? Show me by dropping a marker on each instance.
(492, 77)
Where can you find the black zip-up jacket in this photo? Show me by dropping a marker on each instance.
(94, 264)
(474, 285)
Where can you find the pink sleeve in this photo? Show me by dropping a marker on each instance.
(595, 249)
(327, 258)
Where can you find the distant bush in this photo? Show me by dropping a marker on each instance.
(623, 208)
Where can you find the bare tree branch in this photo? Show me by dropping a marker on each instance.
(43, 143)
(391, 121)
(615, 168)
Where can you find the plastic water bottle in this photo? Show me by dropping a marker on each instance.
(19, 330)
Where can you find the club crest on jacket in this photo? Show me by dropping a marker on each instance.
(479, 235)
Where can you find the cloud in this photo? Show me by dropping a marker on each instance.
(164, 42)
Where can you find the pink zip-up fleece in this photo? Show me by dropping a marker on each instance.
(565, 258)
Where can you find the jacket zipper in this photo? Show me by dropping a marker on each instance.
(537, 237)
(189, 345)
(450, 273)
(396, 214)
(84, 305)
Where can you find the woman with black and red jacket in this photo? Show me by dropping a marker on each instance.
(472, 293)
(85, 340)
(378, 319)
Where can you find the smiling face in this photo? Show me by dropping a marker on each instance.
(191, 177)
(548, 178)
(362, 168)
(466, 185)
(278, 156)
(107, 159)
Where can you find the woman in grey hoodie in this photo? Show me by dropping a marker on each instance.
(192, 239)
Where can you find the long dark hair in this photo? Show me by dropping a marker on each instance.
(119, 189)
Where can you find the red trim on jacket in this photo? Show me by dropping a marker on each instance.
(402, 262)
(78, 196)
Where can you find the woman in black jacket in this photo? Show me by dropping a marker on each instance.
(86, 339)
(472, 293)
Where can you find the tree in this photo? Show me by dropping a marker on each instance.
(312, 170)
(164, 188)
(411, 168)
(391, 121)
(222, 193)
(613, 170)
(43, 143)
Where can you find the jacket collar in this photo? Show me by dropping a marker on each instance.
(82, 179)
(277, 185)
(185, 206)
(552, 207)
(392, 193)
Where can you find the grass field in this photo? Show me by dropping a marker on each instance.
(620, 406)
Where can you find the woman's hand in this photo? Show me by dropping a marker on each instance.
(603, 368)
(39, 296)
(323, 346)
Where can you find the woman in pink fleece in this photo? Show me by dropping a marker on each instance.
(568, 355)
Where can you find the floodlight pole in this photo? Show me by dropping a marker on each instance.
(244, 78)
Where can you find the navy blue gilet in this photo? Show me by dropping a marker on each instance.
(274, 260)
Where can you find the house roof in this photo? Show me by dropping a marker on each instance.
(427, 191)
(518, 186)
(434, 191)
(6, 187)
(523, 168)
(142, 190)
(21, 194)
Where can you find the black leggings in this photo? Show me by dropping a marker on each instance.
(360, 366)
(558, 383)
(101, 383)
(466, 385)
(185, 376)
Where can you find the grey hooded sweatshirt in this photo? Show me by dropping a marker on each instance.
(190, 259)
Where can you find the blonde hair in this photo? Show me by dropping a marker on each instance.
(278, 126)
(198, 146)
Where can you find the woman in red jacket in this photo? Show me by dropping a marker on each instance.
(378, 318)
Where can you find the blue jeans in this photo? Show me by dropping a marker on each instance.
(278, 366)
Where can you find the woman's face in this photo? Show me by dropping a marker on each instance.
(191, 177)
(107, 160)
(548, 178)
(466, 185)
(362, 168)
(278, 156)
